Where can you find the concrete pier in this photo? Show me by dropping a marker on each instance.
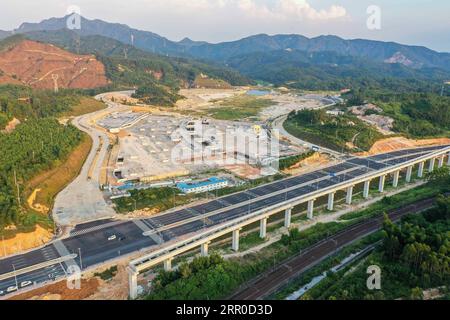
(168, 264)
(235, 243)
(349, 197)
(366, 189)
(409, 174)
(132, 282)
(263, 228)
(381, 184)
(396, 178)
(287, 218)
(310, 213)
(330, 206)
(441, 162)
(204, 249)
(431, 167)
(421, 168)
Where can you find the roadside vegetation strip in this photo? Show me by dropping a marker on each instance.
(327, 264)
(164, 198)
(413, 257)
(288, 162)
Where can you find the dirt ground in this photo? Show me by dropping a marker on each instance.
(25, 241)
(396, 143)
(198, 99)
(45, 66)
(59, 291)
(114, 289)
(91, 288)
(315, 161)
(11, 125)
(244, 171)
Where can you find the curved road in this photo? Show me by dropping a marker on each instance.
(278, 124)
(82, 201)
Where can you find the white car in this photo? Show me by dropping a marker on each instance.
(113, 237)
(25, 284)
(11, 289)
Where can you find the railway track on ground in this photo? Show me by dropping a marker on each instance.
(276, 278)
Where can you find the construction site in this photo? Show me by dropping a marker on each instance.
(156, 148)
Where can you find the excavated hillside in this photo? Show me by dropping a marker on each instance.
(44, 66)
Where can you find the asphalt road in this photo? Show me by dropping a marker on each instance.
(271, 281)
(97, 242)
(82, 199)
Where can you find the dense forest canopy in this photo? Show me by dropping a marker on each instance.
(26, 103)
(34, 146)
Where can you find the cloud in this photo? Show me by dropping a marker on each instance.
(256, 9)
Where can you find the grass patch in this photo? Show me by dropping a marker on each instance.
(157, 199)
(86, 105)
(240, 107)
(108, 274)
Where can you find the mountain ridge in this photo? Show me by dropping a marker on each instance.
(380, 51)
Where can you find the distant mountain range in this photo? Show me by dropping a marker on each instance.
(325, 62)
(389, 52)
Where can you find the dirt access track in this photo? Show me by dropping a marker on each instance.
(42, 66)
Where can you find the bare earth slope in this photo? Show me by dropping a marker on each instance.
(40, 65)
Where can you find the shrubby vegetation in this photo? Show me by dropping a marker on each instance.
(416, 115)
(288, 162)
(414, 256)
(209, 277)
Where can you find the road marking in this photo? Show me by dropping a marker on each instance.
(37, 267)
(63, 252)
(148, 232)
(96, 228)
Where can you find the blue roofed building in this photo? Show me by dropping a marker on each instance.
(210, 184)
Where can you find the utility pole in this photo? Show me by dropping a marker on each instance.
(17, 186)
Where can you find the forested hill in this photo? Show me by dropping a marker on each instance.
(332, 71)
(390, 52)
(128, 67)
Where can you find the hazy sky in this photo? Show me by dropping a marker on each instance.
(419, 22)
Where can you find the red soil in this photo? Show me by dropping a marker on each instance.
(39, 65)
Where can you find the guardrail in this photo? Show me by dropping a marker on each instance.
(160, 255)
(36, 267)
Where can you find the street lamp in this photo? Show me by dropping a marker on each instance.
(15, 276)
(81, 261)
